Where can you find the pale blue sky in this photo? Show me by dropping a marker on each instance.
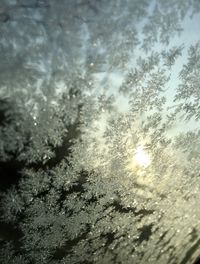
(189, 36)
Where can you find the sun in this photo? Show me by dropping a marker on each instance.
(141, 157)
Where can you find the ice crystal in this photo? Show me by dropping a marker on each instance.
(83, 181)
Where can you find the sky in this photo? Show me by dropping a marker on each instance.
(189, 36)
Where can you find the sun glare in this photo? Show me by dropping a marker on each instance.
(141, 157)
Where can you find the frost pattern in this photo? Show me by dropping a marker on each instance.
(81, 195)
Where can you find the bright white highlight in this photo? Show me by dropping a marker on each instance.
(142, 157)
